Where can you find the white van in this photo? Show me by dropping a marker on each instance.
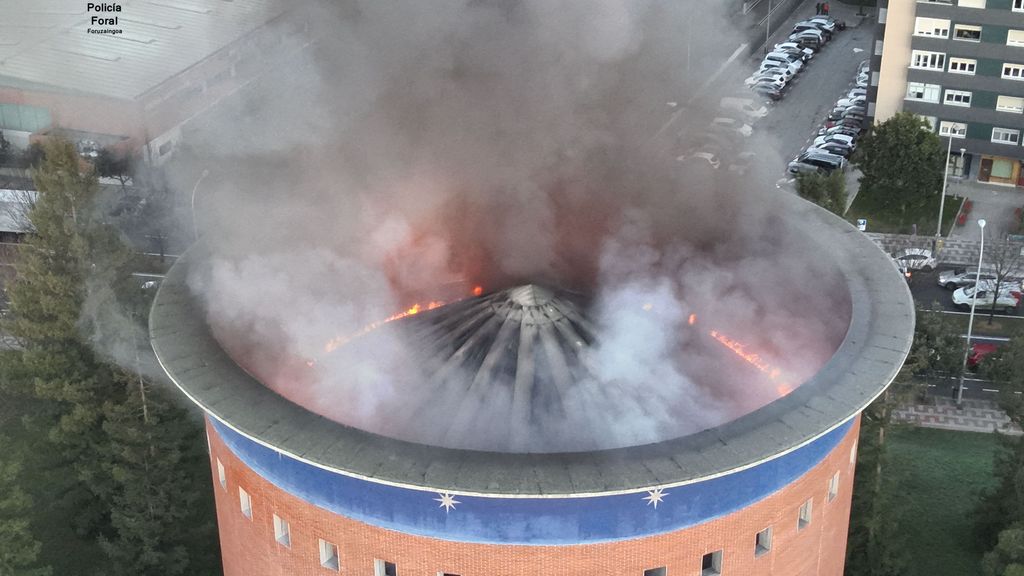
(750, 109)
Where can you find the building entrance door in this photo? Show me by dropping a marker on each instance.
(985, 170)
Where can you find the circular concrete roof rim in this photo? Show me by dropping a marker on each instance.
(872, 352)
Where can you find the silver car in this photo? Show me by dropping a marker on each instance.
(953, 279)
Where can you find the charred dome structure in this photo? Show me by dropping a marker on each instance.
(506, 425)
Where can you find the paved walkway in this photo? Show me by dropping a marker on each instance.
(994, 203)
(975, 416)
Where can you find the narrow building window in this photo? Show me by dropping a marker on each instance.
(853, 453)
(282, 532)
(711, 564)
(447, 574)
(805, 515)
(662, 571)
(221, 475)
(245, 502)
(833, 487)
(382, 568)
(329, 555)
(763, 541)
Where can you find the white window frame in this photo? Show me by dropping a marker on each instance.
(980, 4)
(998, 133)
(245, 503)
(1018, 41)
(962, 66)
(1012, 71)
(805, 516)
(329, 555)
(282, 532)
(1017, 106)
(1017, 6)
(953, 129)
(925, 60)
(931, 27)
(222, 475)
(716, 564)
(966, 28)
(957, 98)
(380, 567)
(833, 487)
(763, 542)
(925, 90)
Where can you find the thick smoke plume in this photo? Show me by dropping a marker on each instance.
(413, 150)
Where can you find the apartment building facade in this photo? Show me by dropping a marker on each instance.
(960, 65)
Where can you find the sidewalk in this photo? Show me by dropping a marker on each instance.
(975, 416)
(994, 203)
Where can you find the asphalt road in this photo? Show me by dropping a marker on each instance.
(927, 292)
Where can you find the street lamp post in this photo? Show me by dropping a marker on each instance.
(768, 27)
(195, 228)
(942, 197)
(970, 322)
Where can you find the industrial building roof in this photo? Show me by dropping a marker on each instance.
(45, 43)
(875, 346)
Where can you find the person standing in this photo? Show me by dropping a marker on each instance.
(824, 8)
(817, 9)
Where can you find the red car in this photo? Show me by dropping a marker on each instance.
(978, 352)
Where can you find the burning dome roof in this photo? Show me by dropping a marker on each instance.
(526, 343)
(515, 355)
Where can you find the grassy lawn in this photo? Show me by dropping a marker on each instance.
(940, 475)
(885, 219)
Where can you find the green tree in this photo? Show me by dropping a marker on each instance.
(19, 550)
(6, 153)
(902, 162)
(155, 449)
(1007, 558)
(109, 164)
(1006, 366)
(827, 191)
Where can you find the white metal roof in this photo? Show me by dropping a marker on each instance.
(45, 42)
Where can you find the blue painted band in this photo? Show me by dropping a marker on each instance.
(535, 521)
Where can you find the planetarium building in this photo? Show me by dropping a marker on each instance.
(491, 470)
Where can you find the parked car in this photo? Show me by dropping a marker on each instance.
(769, 91)
(854, 123)
(862, 80)
(787, 71)
(961, 277)
(979, 350)
(731, 126)
(813, 39)
(784, 58)
(848, 102)
(915, 259)
(857, 93)
(799, 167)
(844, 130)
(745, 106)
(825, 161)
(806, 25)
(707, 157)
(796, 48)
(833, 148)
(836, 24)
(850, 141)
(776, 79)
(1006, 301)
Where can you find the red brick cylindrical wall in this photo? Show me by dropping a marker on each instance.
(250, 549)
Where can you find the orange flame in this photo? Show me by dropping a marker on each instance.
(334, 343)
(478, 290)
(755, 360)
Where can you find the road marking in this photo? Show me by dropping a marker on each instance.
(675, 115)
